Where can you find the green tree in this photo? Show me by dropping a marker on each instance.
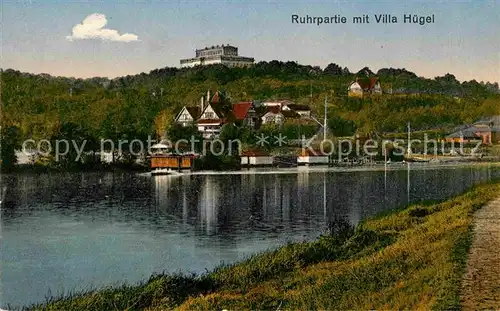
(341, 127)
(9, 142)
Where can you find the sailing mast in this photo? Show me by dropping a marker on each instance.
(408, 151)
(324, 121)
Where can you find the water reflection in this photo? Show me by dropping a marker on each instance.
(71, 231)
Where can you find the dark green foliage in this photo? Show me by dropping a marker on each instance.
(340, 227)
(9, 142)
(296, 131)
(341, 127)
(333, 69)
(184, 138)
(365, 71)
(41, 106)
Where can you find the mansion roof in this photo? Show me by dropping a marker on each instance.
(240, 110)
(366, 83)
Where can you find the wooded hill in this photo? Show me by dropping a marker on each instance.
(40, 106)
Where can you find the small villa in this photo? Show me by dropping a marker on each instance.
(364, 87)
(210, 121)
(279, 114)
(244, 113)
(208, 117)
(273, 115)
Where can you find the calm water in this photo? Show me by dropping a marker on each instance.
(69, 232)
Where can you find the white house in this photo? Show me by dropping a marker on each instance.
(277, 116)
(273, 115)
(210, 122)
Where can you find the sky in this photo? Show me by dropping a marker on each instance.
(115, 38)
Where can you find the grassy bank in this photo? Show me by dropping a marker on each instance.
(413, 258)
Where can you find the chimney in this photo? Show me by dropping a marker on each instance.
(208, 97)
(202, 104)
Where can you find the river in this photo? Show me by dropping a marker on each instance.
(63, 233)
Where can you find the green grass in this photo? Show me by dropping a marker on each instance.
(410, 259)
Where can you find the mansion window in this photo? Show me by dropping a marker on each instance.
(209, 115)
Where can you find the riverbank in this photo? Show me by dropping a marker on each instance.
(232, 165)
(411, 258)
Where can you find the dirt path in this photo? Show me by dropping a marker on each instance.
(481, 284)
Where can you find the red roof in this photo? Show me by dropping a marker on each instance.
(240, 110)
(367, 83)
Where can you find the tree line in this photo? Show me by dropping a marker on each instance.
(40, 106)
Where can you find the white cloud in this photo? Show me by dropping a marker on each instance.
(92, 27)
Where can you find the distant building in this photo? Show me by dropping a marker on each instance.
(273, 115)
(486, 130)
(277, 116)
(224, 54)
(279, 103)
(364, 86)
(466, 136)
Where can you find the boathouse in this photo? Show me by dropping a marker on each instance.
(163, 158)
(255, 158)
(312, 157)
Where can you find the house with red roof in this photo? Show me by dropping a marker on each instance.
(364, 86)
(244, 113)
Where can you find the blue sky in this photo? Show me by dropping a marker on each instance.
(464, 39)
